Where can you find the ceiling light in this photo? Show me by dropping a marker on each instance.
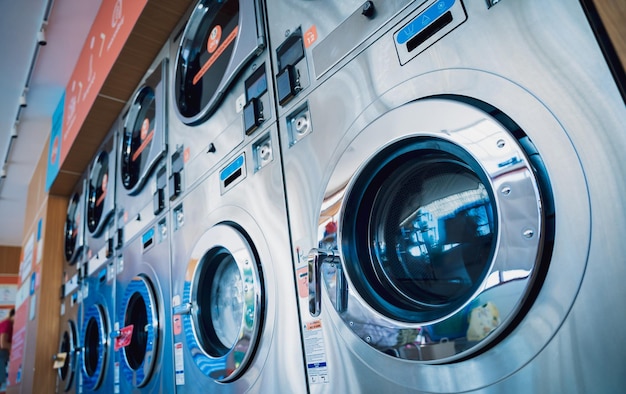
(23, 100)
(14, 130)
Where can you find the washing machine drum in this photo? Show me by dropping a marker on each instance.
(227, 297)
(99, 183)
(140, 314)
(442, 229)
(68, 346)
(95, 353)
(138, 139)
(219, 40)
(73, 228)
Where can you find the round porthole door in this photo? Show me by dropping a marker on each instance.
(99, 183)
(218, 41)
(432, 237)
(140, 311)
(73, 228)
(95, 342)
(68, 346)
(139, 140)
(225, 295)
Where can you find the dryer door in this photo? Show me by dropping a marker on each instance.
(225, 296)
(69, 347)
(143, 139)
(100, 194)
(95, 351)
(439, 228)
(140, 311)
(220, 38)
(74, 228)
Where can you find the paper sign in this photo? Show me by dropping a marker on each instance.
(126, 334)
(59, 360)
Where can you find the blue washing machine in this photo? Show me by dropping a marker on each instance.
(98, 308)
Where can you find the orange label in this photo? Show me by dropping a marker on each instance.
(145, 141)
(186, 155)
(205, 67)
(214, 39)
(314, 325)
(310, 36)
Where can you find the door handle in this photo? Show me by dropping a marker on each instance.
(183, 309)
(315, 259)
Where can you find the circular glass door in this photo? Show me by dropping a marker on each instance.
(68, 346)
(226, 298)
(98, 189)
(140, 312)
(441, 231)
(73, 223)
(219, 39)
(94, 347)
(138, 138)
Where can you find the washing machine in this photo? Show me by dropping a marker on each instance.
(453, 171)
(235, 312)
(74, 241)
(100, 203)
(96, 359)
(141, 328)
(142, 148)
(217, 46)
(68, 353)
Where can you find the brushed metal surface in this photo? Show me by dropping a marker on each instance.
(153, 264)
(538, 63)
(254, 207)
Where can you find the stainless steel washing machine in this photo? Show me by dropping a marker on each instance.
(74, 241)
(68, 354)
(142, 329)
(96, 361)
(142, 147)
(235, 311)
(142, 325)
(453, 170)
(100, 203)
(98, 285)
(216, 47)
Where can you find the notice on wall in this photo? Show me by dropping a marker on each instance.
(109, 32)
(26, 265)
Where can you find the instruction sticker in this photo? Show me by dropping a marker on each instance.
(317, 367)
(179, 363)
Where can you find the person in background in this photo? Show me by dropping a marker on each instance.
(6, 333)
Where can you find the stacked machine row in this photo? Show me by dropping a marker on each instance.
(347, 196)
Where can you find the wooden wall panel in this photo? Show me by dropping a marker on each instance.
(613, 15)
(10, 259)
(48, 302)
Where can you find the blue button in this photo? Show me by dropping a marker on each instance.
(423, 20)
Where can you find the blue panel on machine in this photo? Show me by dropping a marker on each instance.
(423, 20)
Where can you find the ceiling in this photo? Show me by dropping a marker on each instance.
(68, 24)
